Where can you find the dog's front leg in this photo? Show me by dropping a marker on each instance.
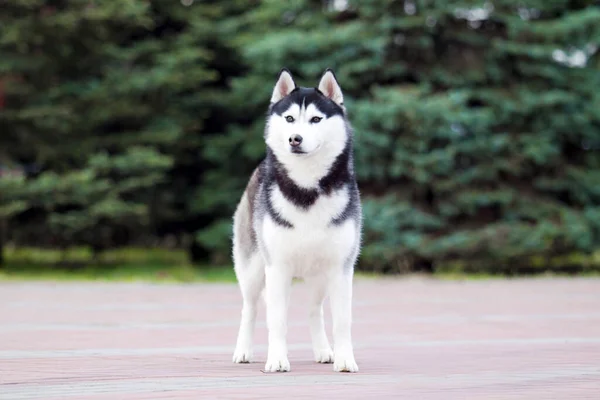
(341, 312)
(277, 295)
(321, 348)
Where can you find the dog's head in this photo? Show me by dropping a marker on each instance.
(306, 121)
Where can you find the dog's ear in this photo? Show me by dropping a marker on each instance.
(284, 86)
(330, 88)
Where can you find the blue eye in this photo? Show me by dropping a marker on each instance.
(289, 118)
(315, 120)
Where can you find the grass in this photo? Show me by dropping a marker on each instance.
(587, 265)
(167, 266)
(121, 273)
(480, 276)
(124, 265)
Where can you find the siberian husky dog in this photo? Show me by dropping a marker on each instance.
(300, 217)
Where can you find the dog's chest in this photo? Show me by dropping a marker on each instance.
(313, 241)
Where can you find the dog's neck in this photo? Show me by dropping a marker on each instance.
(302, 181)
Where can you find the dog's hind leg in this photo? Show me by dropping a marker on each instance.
(249, 268)
(321, 348)
(251, 279)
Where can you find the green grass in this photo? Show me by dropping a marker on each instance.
(565, 265)
(161, 265)
(124, 265)
(120, 273)
(130, 255)
(480, 276)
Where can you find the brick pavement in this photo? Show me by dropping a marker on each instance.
(415, 339)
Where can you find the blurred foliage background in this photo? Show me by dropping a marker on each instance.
(132, 123)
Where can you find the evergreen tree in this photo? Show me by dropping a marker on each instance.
(12, 201)
(477, 136)
(476, 129)
(485, 133)
(110, 100)
(72, 90)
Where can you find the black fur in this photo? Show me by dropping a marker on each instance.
(341, 173)
(267, 181)
(308, 96)
(301, 197)
(352, 207)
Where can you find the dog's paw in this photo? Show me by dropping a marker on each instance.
(344, 362)
(277, 364)
(323, 356)
(242, 355)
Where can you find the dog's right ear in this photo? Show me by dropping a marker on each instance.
(284, 86)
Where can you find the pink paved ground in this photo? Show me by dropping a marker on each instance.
(415, 339)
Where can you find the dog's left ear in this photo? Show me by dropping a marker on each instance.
(330, 88)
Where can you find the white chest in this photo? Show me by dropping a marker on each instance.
(313, 244)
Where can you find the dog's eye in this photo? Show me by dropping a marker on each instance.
(315, 120)
(289, 118)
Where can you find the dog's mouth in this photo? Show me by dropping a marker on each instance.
(301, 152)
(296, 150)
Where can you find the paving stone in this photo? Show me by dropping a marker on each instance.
(415, 339)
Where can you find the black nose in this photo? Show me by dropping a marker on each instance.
(295, 140)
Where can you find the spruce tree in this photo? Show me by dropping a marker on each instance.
(476, 128)
(110, 100)
(476, 123)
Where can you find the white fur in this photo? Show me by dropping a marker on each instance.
(315, 250)
(312, 246)
(322, 142)
(251, 279)
(285, 84)
(330, 88)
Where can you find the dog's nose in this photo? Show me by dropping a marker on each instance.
(295, 140)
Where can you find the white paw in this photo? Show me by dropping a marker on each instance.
(323, 356)
(242, 355)
(278, 363)
(344, 362)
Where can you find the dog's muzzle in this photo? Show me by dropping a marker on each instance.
(295, 142)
